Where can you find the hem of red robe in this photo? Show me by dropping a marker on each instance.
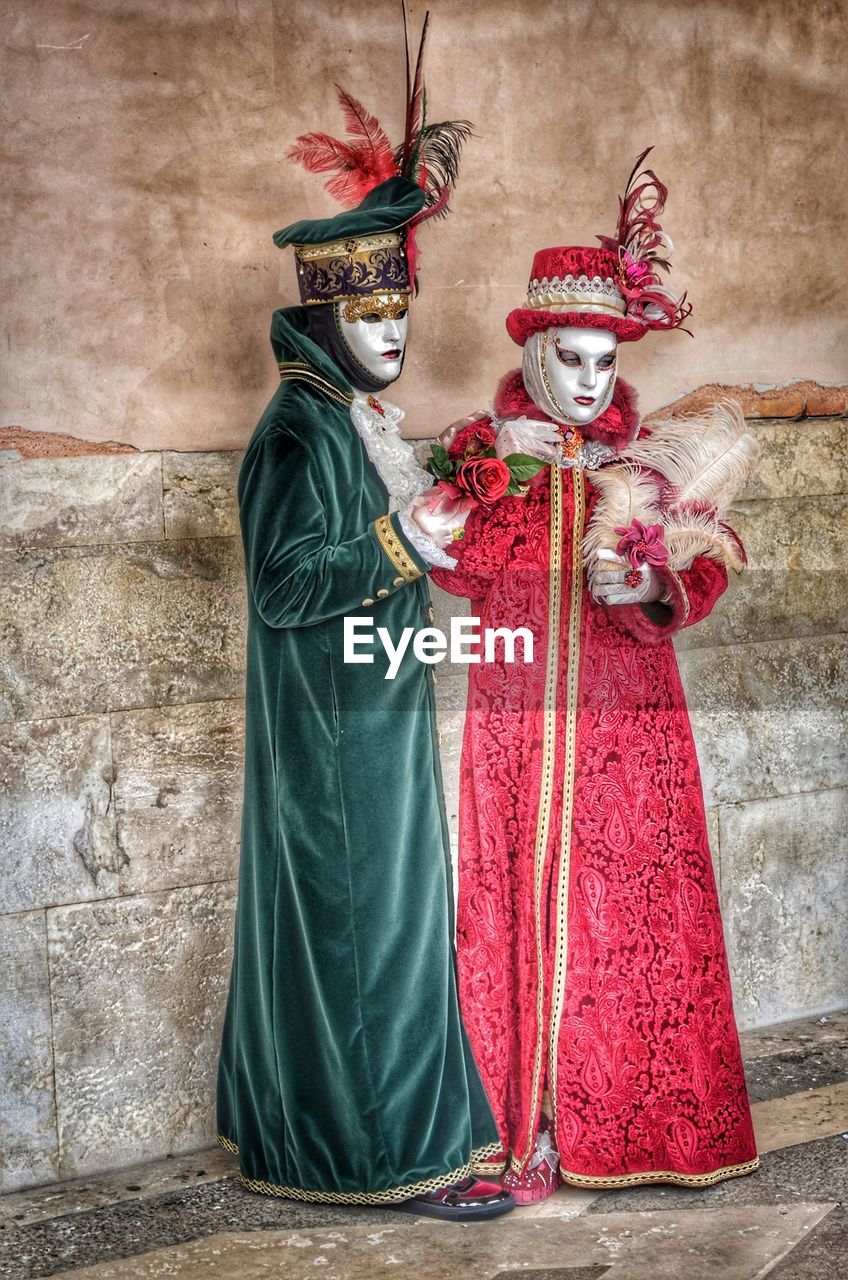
(670, 1176)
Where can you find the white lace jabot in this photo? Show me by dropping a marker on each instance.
(377, 422)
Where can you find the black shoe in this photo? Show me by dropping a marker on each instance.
(469, 1201)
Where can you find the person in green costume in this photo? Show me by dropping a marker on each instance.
(345, 1073)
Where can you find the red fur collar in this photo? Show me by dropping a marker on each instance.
(617, 426)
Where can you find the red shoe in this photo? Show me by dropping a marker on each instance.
(469, 1201)
(541, 1177)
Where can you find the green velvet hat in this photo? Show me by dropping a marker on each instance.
(359, 252)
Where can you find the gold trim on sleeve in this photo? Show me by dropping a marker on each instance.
(395, 550)
(392, 1195)
(490, 1168)
(687, 605)
(546, 788)
(569, 768)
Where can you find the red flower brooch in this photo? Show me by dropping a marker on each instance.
(641, 544)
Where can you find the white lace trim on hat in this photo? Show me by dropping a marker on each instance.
(588, 290)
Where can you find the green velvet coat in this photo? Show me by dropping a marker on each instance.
(345, 1073)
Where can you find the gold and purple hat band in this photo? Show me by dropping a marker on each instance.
(348, 269)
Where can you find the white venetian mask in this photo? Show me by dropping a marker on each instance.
(570, 372)
(374, 328)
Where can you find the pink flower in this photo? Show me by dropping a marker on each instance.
(445, 497)
(642, 544)
(635, 273)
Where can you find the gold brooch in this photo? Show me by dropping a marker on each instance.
(572, 439)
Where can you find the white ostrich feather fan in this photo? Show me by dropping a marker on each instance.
(707, 458)
(704, 462)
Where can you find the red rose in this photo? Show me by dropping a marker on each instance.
(485, 479)
(477, 437)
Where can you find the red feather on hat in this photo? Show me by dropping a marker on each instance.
(357, 165)
(643, 249)
(429, 154)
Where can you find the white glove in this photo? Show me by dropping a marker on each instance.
(528, 435)
(610, 588)
(439, 525)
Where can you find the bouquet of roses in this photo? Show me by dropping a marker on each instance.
(469, 472)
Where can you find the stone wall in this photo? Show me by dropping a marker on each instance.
(121, 673)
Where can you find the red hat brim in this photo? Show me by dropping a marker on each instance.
(524, 321)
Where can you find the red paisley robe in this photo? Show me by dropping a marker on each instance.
(590, 945)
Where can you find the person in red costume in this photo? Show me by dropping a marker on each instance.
(593, 977)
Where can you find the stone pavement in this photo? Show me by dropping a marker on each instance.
(188, 1217)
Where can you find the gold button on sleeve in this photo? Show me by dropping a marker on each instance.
(397, 582)
(367, 601)
(382, 593)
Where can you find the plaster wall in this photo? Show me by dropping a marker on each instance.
(143, 173)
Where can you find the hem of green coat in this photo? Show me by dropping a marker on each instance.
(390, 1195)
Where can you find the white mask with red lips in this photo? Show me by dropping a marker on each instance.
(570, 372)
(377, 341)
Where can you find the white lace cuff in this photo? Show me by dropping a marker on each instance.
(424, 545)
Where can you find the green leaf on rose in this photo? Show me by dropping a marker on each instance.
(440, 462)
(522, 467)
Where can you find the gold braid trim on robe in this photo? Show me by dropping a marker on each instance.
(668, 1176)
(392, 1195)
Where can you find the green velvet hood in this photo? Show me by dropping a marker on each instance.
(290, 341)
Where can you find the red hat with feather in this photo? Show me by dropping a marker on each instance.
(616, 287)
(389, 191)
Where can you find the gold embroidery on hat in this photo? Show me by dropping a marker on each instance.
(576, 293)
(362, 245)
